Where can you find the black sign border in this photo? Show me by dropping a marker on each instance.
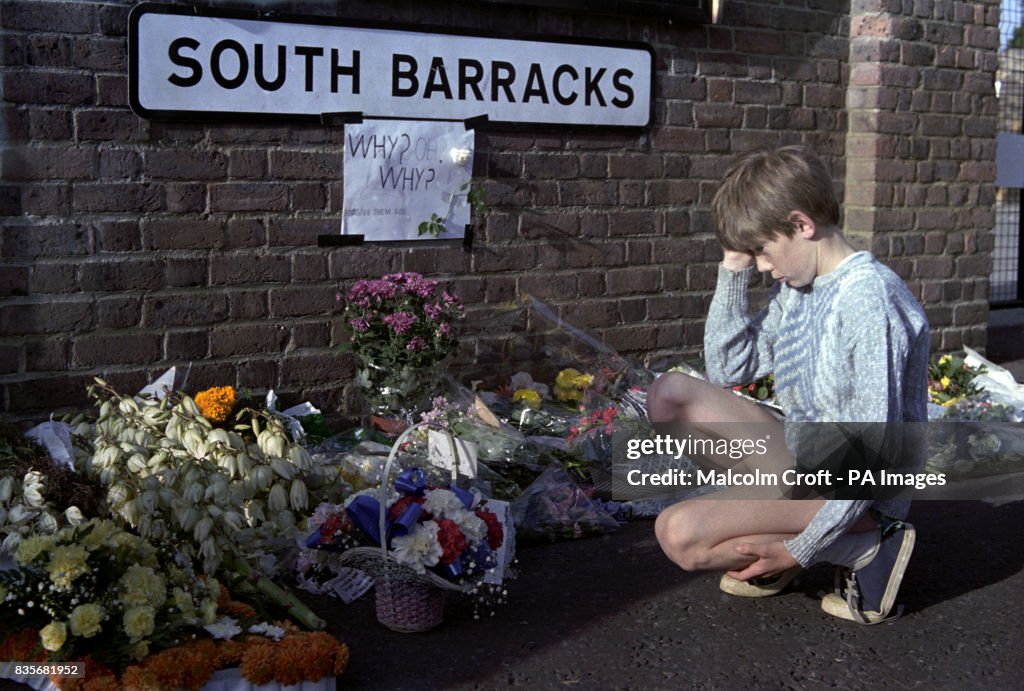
(282, 118)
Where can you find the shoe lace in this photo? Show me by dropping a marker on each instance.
(846, 580)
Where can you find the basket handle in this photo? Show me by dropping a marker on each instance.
(386, 477)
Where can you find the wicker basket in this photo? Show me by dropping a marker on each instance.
(407, 602)
(407, 606)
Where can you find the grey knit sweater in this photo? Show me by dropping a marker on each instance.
(851, 347)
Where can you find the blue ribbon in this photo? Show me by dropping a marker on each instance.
(465, 497)
(411, 481)
(364, 511)
(365, 514)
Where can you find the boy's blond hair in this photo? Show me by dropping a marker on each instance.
(762, 188)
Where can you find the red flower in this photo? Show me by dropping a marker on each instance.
(495, 533)
(329, 529)
(400, 506)
(451, 539)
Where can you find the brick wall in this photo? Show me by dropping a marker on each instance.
(129, 245)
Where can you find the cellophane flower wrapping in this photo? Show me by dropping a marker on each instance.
(401, 326)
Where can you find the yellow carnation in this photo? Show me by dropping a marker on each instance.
(139, 651)
(53, 635)
(100, 532)
(141, 586)
(86, 620)
(208, 612)
(139, 622)
(945, 382)
(217, 403)
(529, 397)
(67, 562)
(32, 547)
(570, 384)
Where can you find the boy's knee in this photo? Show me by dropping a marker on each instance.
(666, 394)
(676, 532)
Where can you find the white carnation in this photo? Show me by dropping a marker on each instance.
(419, 548)
(471, 525)
(443, 503)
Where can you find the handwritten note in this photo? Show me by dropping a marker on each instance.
(399, 174)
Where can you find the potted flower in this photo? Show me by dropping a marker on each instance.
(401, 327)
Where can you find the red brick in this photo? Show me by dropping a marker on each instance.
(119, 164)
(100, 54)
(315, 369)
(53, 277)
(118, 312)
(57, 17)
(14, 280)
(248, 197)
(310, 335)
(44, 394)
(184, 309)
(116, 349)
(10, 359)
(130, 197)
(302, 165)
(47, 124)
(294, 301)
(186, 345)
(39, 86)
(246, 339)
(249, 268)
(178, 164)
(48, 162)
(46, 240)
(108, 125)
(183, 234)
(49, 316)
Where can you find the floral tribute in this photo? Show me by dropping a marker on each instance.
(950, 380)
(445, 530)
(217, 404)
(401, 326)
(96, 589)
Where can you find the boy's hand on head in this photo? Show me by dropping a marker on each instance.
(737, 261)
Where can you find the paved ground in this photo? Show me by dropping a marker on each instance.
(613, 613)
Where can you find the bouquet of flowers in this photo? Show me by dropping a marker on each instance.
(423, 541)
(401, 326)
(97, 590)
(445, 530)
(950, 380)
(136, 617)
(171, 472)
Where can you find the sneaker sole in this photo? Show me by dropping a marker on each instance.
(838, 607)
(734, 586)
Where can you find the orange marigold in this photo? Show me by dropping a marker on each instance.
(217, 403)
(22, 645)
(258, 662)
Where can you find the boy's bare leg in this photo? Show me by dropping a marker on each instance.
(701, 408)
(703, 533)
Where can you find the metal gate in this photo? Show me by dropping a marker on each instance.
(1006, 286)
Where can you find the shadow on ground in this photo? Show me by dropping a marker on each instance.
(612, 612)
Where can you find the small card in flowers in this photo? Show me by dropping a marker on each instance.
(441, 453)
(504, 555)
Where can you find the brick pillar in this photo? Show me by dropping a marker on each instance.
(921, 152)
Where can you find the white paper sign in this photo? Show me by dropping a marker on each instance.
(399, 174)
(439, 451)
(507, 551)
